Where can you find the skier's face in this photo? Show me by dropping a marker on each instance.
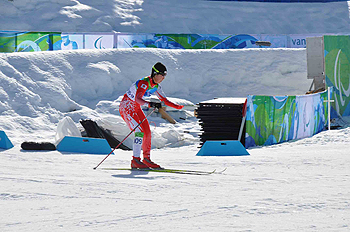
(158, 78)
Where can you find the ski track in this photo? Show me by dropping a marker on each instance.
(295, 186)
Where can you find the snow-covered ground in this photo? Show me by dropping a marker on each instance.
(296, 186)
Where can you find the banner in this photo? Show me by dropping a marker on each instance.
(99, 41)
(70, 42)
(277, 41)
(43, 41)
(36, 41)
(276, 119)
(337, 71)
(135, 40)
(185, 41)
(297, 41)
(285, 1)
(7, 41)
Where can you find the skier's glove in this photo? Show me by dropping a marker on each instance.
(179, 107)
(155, 105)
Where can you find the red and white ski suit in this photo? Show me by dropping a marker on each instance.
(131, 112)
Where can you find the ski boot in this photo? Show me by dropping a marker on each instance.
(136, 163)
(150, 164)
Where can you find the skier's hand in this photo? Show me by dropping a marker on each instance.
(155, 105)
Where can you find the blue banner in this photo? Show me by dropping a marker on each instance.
(284, 1)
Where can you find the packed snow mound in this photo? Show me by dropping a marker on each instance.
(176, 16)
(68, 80)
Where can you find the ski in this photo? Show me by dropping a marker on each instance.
(167, 170)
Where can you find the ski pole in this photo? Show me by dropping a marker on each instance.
(125, 137)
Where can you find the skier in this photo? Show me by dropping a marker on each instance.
(131, 112)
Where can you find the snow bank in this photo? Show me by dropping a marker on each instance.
(67, 79)
(39, 89)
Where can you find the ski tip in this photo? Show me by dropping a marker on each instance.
(222, 171)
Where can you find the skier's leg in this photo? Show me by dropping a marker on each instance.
(146, 145)
(129, 111)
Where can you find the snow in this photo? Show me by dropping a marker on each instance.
(40, 88)
(175, 16)
(295, 186)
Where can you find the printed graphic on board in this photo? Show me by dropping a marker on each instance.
(186, 41)
(99, 41)
(7, 42)
(277, 41)
(275, 119)
(72, 42)
(337, 71)
(36, 41)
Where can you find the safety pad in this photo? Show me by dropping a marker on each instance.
(222, 148)
(5, 142)
(84, 145)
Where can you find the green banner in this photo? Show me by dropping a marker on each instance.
(7, 42)
(337, 71)
(186, 41)
(36, 41)
(276, 119)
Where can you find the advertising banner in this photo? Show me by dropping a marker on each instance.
(185, 41)
(237, 41)
(284, 1)
(36, 41)
(43, 41)
(275, 119)
(299, 40)
(7, 42)
(99, 41)
(337, 71)
(277, 41)
(135, 40)
(71, 42)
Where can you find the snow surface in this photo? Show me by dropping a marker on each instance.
(295, 186)
(175, 16)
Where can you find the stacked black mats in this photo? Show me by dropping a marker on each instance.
(220, 121)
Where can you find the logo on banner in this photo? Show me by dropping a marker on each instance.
(98, 43)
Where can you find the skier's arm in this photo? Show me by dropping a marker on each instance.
(162, 97)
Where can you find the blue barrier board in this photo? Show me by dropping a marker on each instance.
(5, 142)
(222, 148)
(84, 145)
